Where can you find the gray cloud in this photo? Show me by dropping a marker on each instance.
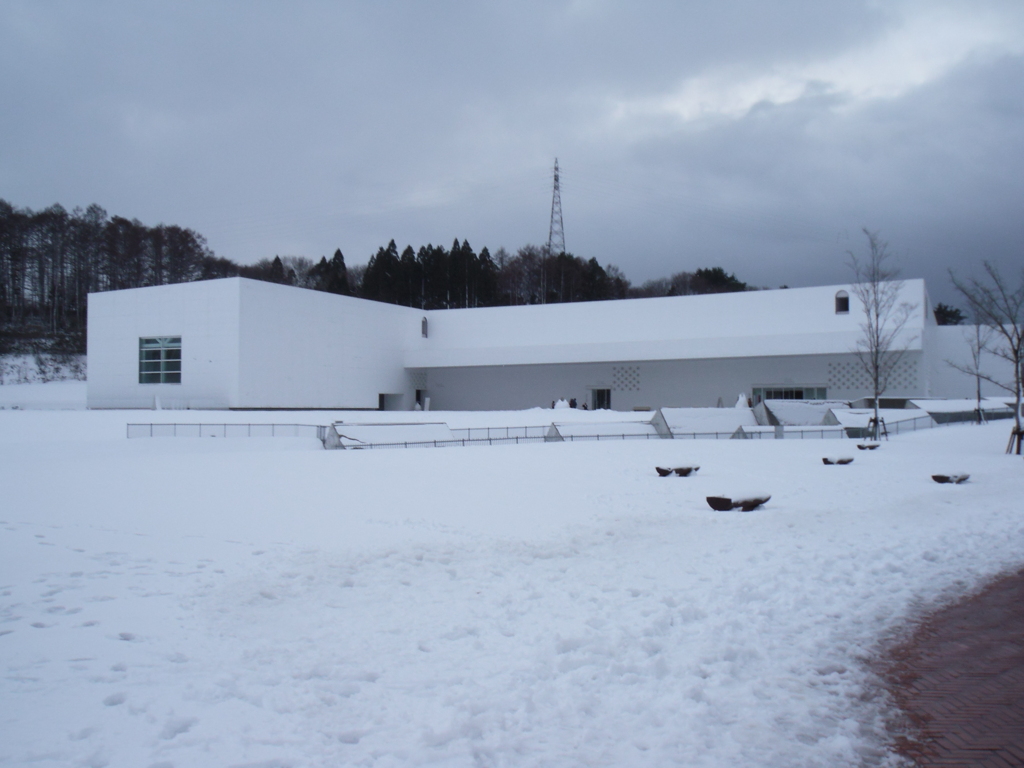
(756, 136)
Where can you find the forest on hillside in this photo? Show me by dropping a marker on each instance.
(50, 260)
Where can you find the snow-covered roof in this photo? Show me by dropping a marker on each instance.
(794, 321)
(962, 406)
(609, 429)
(707, 420)
(794, 413)
(860, 417)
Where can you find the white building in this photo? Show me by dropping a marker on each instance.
(238, 343)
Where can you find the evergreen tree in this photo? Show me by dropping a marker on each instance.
(487, 280)
(381, 271)
(948, 315)
(277, 273)
(596, 285)
(338, 275)
(716, 280)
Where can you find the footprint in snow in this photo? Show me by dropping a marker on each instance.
(176, 726)
(60, 609)
(127, 636)
(114, 699)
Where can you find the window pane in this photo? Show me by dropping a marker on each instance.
(160, 360)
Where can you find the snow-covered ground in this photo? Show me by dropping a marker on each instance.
(263, 602)
(52, 395)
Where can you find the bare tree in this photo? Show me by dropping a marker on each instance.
(1001, 308)
(978, 337)
(876, 284)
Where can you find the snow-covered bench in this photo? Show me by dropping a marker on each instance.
(747, 504)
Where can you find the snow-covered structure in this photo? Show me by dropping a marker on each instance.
(238, 343)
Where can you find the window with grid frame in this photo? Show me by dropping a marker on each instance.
(160, 360)
(789, 393)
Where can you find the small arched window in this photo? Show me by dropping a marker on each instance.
(842, 303)
(423, 327)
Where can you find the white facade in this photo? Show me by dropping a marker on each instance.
(250, 344)
(206, 316)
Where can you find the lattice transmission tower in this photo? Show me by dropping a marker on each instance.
(556, 235)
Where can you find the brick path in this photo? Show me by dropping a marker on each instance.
(960, 681)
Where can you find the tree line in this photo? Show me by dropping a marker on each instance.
(50, 260)
(434, 277)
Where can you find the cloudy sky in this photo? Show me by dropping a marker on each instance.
(757, 136)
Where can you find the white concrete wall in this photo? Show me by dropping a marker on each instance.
(308, 349)
(790, 322)
(658, 383)
(204, 314)
(249, 344)
(952, 343)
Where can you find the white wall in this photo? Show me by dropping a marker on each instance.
(790, 322)
(204, 314)
(952, 343)
(308, 349)
(250, 344)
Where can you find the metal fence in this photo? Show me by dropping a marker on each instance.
(500, 433)
(896, 428)
(511, 435)
(226, 430)
(462, 442)
(787, 433)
